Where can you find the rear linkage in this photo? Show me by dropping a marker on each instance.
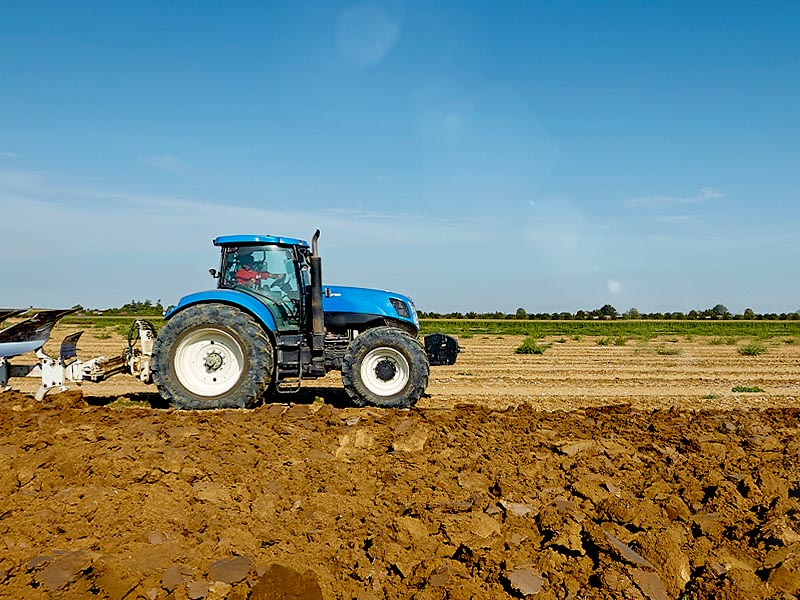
(33, 333)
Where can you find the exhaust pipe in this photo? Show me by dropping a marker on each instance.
(317, 316)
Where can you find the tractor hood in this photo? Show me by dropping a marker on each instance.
(365, 301)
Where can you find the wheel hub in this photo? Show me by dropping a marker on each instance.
(385, 370)
(213, 361)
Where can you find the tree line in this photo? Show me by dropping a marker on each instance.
(136, 308)
(607, 311)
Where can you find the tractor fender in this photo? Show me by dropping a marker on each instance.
(241, 300)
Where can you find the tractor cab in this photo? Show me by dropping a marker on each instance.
(274, 270)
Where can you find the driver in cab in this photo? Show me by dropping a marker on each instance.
(250, 274)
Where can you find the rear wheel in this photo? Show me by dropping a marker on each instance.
(385, 366)
(212, 356)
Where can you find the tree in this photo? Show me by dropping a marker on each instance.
(632, 313)
(749, 313)
(608, 311)
(521, 314)
(720, 310)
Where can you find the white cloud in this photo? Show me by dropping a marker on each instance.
(705, 194)
(614, 286)
(9, 155)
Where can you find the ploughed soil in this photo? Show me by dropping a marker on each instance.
(625, 472)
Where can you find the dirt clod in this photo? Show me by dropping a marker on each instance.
(284, 583)
(492, 487)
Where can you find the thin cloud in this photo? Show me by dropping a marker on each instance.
(85, 222)
(9, 155)
(76, 206)
(674, 219)
(705, 194)
(165, 162)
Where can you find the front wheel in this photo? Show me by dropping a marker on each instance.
(212, 356)
(385, 366)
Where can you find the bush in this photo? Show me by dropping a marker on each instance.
(529, 346)
(752, 349)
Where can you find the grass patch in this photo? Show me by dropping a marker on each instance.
(530, 346)
(710, 397)
(620, 340)
(642, 329)
(752, 349)
(665, 351)
(723, 341)
(604, 341)
(748, 389)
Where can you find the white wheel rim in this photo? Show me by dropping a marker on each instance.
(374, 370)
(208, 362)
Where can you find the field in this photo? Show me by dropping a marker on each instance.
(643, 463)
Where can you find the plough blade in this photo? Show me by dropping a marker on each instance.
(7, 313)
(31, 334)
(69, 346)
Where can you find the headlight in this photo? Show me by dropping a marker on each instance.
(401, 307)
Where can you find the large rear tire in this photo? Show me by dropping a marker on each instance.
(386, 367)
(212, 356)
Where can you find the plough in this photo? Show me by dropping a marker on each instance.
(31, 334)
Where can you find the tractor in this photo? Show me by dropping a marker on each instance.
(270, 323)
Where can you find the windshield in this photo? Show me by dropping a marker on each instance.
(269, 273)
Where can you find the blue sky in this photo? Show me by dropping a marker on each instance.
(475, 155)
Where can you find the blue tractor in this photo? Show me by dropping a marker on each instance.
(270, 324)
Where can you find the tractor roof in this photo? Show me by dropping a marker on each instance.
(241, 240)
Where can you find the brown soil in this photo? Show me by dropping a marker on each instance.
(588, 472)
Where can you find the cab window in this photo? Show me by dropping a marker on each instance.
(267, 272)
